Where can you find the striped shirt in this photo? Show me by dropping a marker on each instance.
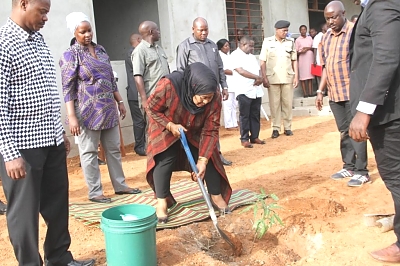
(164, 106)
(336, 60)
(30, 106)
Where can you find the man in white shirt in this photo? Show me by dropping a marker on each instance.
(317, 50)
(249, 92)
(316, 41)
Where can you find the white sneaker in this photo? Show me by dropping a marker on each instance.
(358, 180)
(342, 174)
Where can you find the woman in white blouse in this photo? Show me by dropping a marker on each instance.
(230, 105)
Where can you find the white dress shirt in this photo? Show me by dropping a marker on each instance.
(248, 62)
(226, 60)
(316, 41)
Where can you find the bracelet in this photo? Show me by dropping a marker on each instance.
(120, 101)
(168, 127)
(319, 91)
(202, 159)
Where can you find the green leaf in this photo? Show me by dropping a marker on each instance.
(255, 211)
(262, 230)
(274, 197)
(264, 213)
(247, 209)
(267, 213)
(272, 219)
(256, 225)
(278, 219)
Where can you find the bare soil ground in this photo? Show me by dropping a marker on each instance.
(323, 218)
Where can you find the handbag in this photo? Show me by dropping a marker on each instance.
(316, 70)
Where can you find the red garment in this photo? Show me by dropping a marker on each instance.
(164, 106)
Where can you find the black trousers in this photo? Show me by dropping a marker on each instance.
(354, 154)
(165, 164)
(385, 142)
(249, 117)
(139, 126)
(44, 190)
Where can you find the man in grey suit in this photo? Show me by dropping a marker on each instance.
(375, 98)
(139, 125)
(198, 48)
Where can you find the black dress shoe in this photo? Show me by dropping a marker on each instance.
(82, 263)
(275, 134)
(130, 191)
(288, 132)
(100, 200)
(247, 144)
(3, 207)
(225, 161)
(257, 141)
(141, 152)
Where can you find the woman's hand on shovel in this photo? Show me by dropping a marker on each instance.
(174, 129)
(201, 167)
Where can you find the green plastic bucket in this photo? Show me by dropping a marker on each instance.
(130, 242)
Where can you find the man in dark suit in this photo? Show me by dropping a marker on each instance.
(375, 98)
(139, 125)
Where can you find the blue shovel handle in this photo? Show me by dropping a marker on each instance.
(187, 151)
(203, 191)
(196, 171)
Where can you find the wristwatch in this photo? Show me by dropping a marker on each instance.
(319, 91)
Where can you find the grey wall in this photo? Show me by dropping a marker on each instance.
(117, 20)
(176, 19)
(351, 8)
(294, 11)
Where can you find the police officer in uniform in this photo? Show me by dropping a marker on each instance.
(278, 62)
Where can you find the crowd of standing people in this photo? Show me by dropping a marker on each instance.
(361, 80)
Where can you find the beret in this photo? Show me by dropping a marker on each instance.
(282, 24)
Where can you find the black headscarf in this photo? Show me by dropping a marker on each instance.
(197, 79)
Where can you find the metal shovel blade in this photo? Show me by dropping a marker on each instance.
(235, 244)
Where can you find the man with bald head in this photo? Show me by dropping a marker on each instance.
(198, 48)
(249, 92)
(133, 100)
(150, 64)
(335, 53)
(149, 61)
(33, 144)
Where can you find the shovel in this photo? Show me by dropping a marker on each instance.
(235, 245)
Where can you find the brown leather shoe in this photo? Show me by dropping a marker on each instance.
(389, 254)
(257, 141)
(247, 144)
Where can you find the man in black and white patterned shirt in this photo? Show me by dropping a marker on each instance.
(33, 147)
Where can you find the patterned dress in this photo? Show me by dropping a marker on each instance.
(89, 81)
(203, 132)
